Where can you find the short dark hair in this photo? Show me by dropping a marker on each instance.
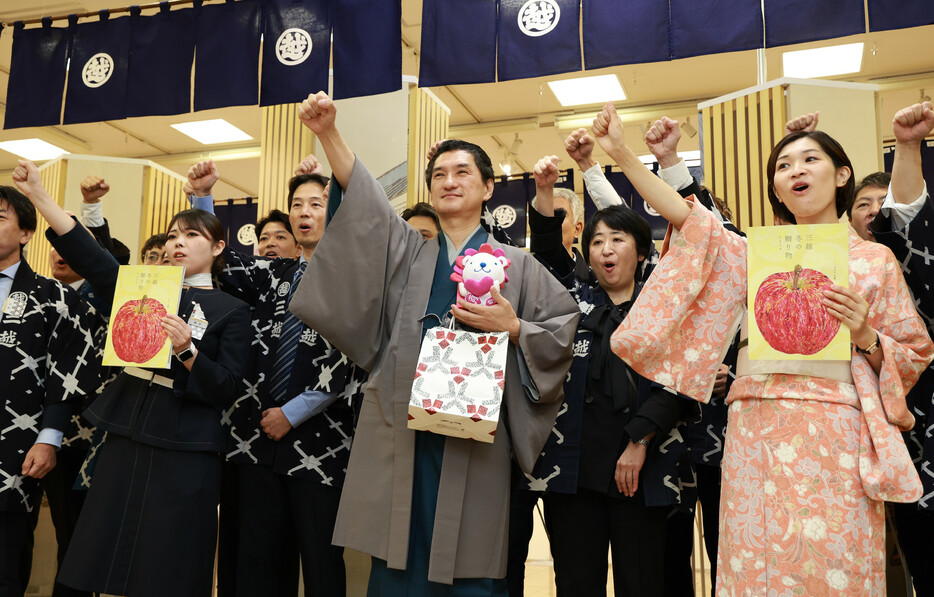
(207, 224)
(300, 179)
(844, 195)
(274, 215)
(624, 219)
(21, 205)
(878, 180)
(156, 240)
(424, 210)
(480, 158)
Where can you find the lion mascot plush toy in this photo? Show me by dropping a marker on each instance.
(476, 272)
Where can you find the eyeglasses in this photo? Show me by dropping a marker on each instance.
(154, 257)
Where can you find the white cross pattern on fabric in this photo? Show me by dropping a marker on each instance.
(15, 483)
(22, 422)
(542, 484)
(243, 447)
(312, 462)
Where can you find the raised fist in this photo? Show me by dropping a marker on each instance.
(608, 129)
(93, 188)
(202, 177)
(434, 149)
(805, 122)
(546, 171)
(914, 123)
(27, 179)
(579, 145)
(318, 113)
(309, 165)
(662, 140)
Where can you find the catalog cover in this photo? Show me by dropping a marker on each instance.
(144, 295)
(789, 267)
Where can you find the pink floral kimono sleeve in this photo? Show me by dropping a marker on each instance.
(886, 469)
(681, 325)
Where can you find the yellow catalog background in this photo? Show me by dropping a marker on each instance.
(135, 337)
(779, 250)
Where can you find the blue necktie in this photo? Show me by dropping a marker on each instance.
(288, 346)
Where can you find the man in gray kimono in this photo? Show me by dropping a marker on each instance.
(431, 510)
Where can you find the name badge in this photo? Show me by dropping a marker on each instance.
(198, 326)
(15, 305)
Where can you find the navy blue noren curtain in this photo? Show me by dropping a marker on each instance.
(37, 75)
(238, 220)
(458, 42)
(509, 205)
(162, 48)
(712, 26)
(538, 38)
(799, 21)
(97, 78)
(227, 61)
(367, 47)
(296, 50)
(625, 33)
(898, 14)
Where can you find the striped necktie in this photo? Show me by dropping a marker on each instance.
(288, 346)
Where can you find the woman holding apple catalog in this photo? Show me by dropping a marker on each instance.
(808, 460)
(149, 526)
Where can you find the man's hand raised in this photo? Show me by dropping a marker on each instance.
(202, 177)
(912, 124)
(662, 140)
(318, 113)
(93, 188)
(309, 165)
(546, 172)
(579, 145)
(434, 149)
(27, 179)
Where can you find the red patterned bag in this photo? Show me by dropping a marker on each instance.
(458, 388)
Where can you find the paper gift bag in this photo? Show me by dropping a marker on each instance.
(458, 388)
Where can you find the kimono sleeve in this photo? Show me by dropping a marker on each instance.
(356, 277)
(906, 347)
(548, 322)
(680, 327)
(72, 368)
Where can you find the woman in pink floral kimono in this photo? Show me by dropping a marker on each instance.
(808, 460)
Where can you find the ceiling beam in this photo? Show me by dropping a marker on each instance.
(515, 125)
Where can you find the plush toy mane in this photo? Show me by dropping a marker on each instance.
(458, 275)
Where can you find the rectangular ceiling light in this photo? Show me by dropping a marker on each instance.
(209, 132)
(588, 90)
(32, 149)
(823, 62)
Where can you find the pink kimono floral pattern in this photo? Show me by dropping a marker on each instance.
(807, 460)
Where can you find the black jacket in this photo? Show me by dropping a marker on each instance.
(187, 416)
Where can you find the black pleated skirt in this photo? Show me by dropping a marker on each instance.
(149, 525)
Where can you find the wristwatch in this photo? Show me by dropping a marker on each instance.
(871, 348)
(184, 355)
(644, 442)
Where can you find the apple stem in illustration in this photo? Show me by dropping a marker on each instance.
(794, 282)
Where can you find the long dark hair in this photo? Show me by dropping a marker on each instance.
(205, 223)
(829, 145)
(623, 219)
